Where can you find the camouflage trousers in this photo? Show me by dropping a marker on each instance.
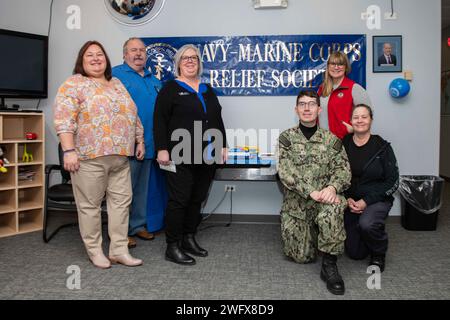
(317, 227)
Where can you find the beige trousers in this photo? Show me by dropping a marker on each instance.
(110, 175)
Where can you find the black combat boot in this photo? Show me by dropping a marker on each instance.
(175, 254)
(331, 276)
(378, 260)
(191, 246)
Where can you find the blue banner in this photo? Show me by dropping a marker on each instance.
(260, 65)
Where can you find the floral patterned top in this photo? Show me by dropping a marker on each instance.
(102, 118)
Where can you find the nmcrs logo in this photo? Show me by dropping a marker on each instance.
(160, 60)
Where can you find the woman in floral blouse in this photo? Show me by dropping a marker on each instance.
(98, 126)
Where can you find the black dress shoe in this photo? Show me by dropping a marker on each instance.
(176, 255)
(378, 260)
(331, 276)
(191, 246)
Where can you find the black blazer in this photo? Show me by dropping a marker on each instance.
(178, 108)
(382, 60)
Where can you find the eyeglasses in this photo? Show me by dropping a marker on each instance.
(311, 104)
(189, 58)
(336, 65)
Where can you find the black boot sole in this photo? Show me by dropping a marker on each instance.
(333, 291)
(180, 262)
(197, 254)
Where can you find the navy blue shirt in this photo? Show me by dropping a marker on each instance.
(143, 90)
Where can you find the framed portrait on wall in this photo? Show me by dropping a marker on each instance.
(387, 54)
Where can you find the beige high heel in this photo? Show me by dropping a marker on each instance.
(126, 260)
(100, 261)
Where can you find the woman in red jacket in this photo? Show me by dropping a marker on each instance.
(338, 94)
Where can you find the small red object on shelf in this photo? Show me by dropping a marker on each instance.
(31, 136)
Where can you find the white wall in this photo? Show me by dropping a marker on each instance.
(411, 124)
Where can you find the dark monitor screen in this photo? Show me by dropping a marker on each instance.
(23, 65)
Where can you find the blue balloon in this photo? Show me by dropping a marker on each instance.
(399, 88)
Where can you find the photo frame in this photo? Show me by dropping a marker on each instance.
(387, 53)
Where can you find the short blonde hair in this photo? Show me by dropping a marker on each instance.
(179, 54)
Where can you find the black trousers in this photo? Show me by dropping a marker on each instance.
(366, 232)
(187, 189)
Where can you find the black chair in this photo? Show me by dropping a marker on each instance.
(58, 196)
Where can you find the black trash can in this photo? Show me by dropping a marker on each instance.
(421, 201)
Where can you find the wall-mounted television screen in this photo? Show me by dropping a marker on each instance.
(23, 65)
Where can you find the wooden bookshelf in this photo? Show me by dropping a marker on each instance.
(22, 186)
